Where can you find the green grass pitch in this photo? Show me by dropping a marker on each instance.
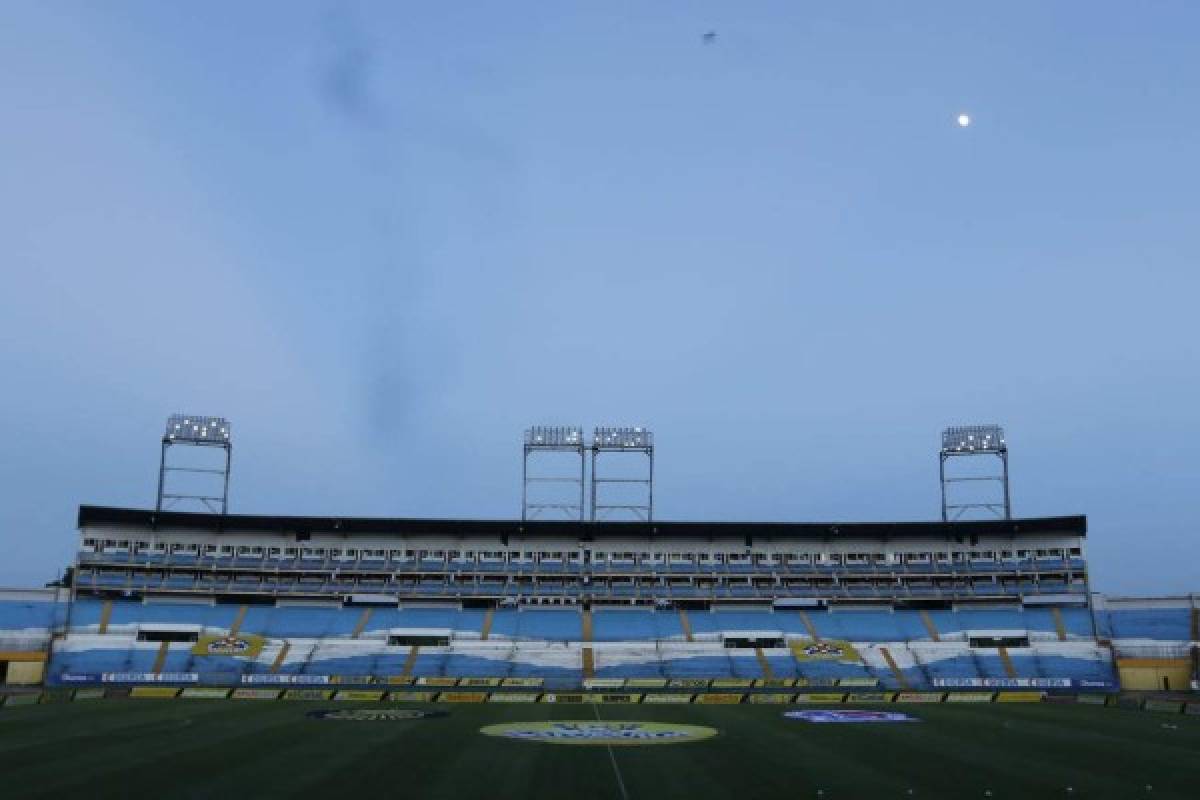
(262, 749)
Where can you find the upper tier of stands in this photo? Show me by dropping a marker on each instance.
(1162, 624)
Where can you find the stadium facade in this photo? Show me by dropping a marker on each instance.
(217, 599)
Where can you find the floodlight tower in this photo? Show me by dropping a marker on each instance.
(974, 440)
(195, 431)
(544, 439)
(638, 441)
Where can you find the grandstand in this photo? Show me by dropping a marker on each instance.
(167, 597)
(288, 600)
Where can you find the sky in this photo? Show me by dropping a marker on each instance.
(385, 238)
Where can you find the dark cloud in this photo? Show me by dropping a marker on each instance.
(347, 69)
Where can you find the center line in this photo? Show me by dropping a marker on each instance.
(612, 757)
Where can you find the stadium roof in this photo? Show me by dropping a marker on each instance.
(101, 516)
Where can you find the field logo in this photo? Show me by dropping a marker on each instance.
(850, 716)
(374, 714)
(246, 645)
(592, 732)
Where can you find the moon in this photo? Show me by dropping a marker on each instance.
(964, 120)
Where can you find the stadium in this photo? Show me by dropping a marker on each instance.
(448, 657)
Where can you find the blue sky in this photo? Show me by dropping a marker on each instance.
(384, 238)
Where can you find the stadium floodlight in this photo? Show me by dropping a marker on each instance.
(974, 440)
(622, 439)
(547, 440)
(611, 440)
(195, 430)
(560, 436)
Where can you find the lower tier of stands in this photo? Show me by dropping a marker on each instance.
(88, 658)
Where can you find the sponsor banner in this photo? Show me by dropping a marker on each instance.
(920, 697)
(850, 716)
(718, 699)
(1099, 686)
(597, 732)
(410, 697)
(154, 691)
(1020, 697)
(88, 694)
(375, 714)
(57, 696)
(1126, 701)
(1165, 706)
(969, 697)
(116, 694)
(462, 697)
(283, 680)
(687, 683)
(645, 683)
(247, 645)
(615, 698)
(150, 677)
(603, 683)
(1092, 699)
(204, 693)
(823, 697)
(255, 694)
(440, 682)
(771, 698)
(1003, 683)
(358, 694)
(79, 677)
(1192, 708)
(732, 683)
(824, 650)
(562, 698)
(400, 680)
(513, 697)
(667, 697)
(308, 694)
(479, 682)
(828, 682)
(20, 699)
(870, 697)
(355, 680)
(1060, 699)
(526, 683)
(774, 683)
(864, 682)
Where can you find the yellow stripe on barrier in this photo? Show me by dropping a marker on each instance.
(154, 691)
(513, 697)
(969, 697)
(771, 698)
(359, 694)
(667, 697)
(615, 698)
(718, 699)
(819, 697)
(462, 697)
(1020, 697)
(920, 697)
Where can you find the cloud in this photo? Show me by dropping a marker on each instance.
(347, 69)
